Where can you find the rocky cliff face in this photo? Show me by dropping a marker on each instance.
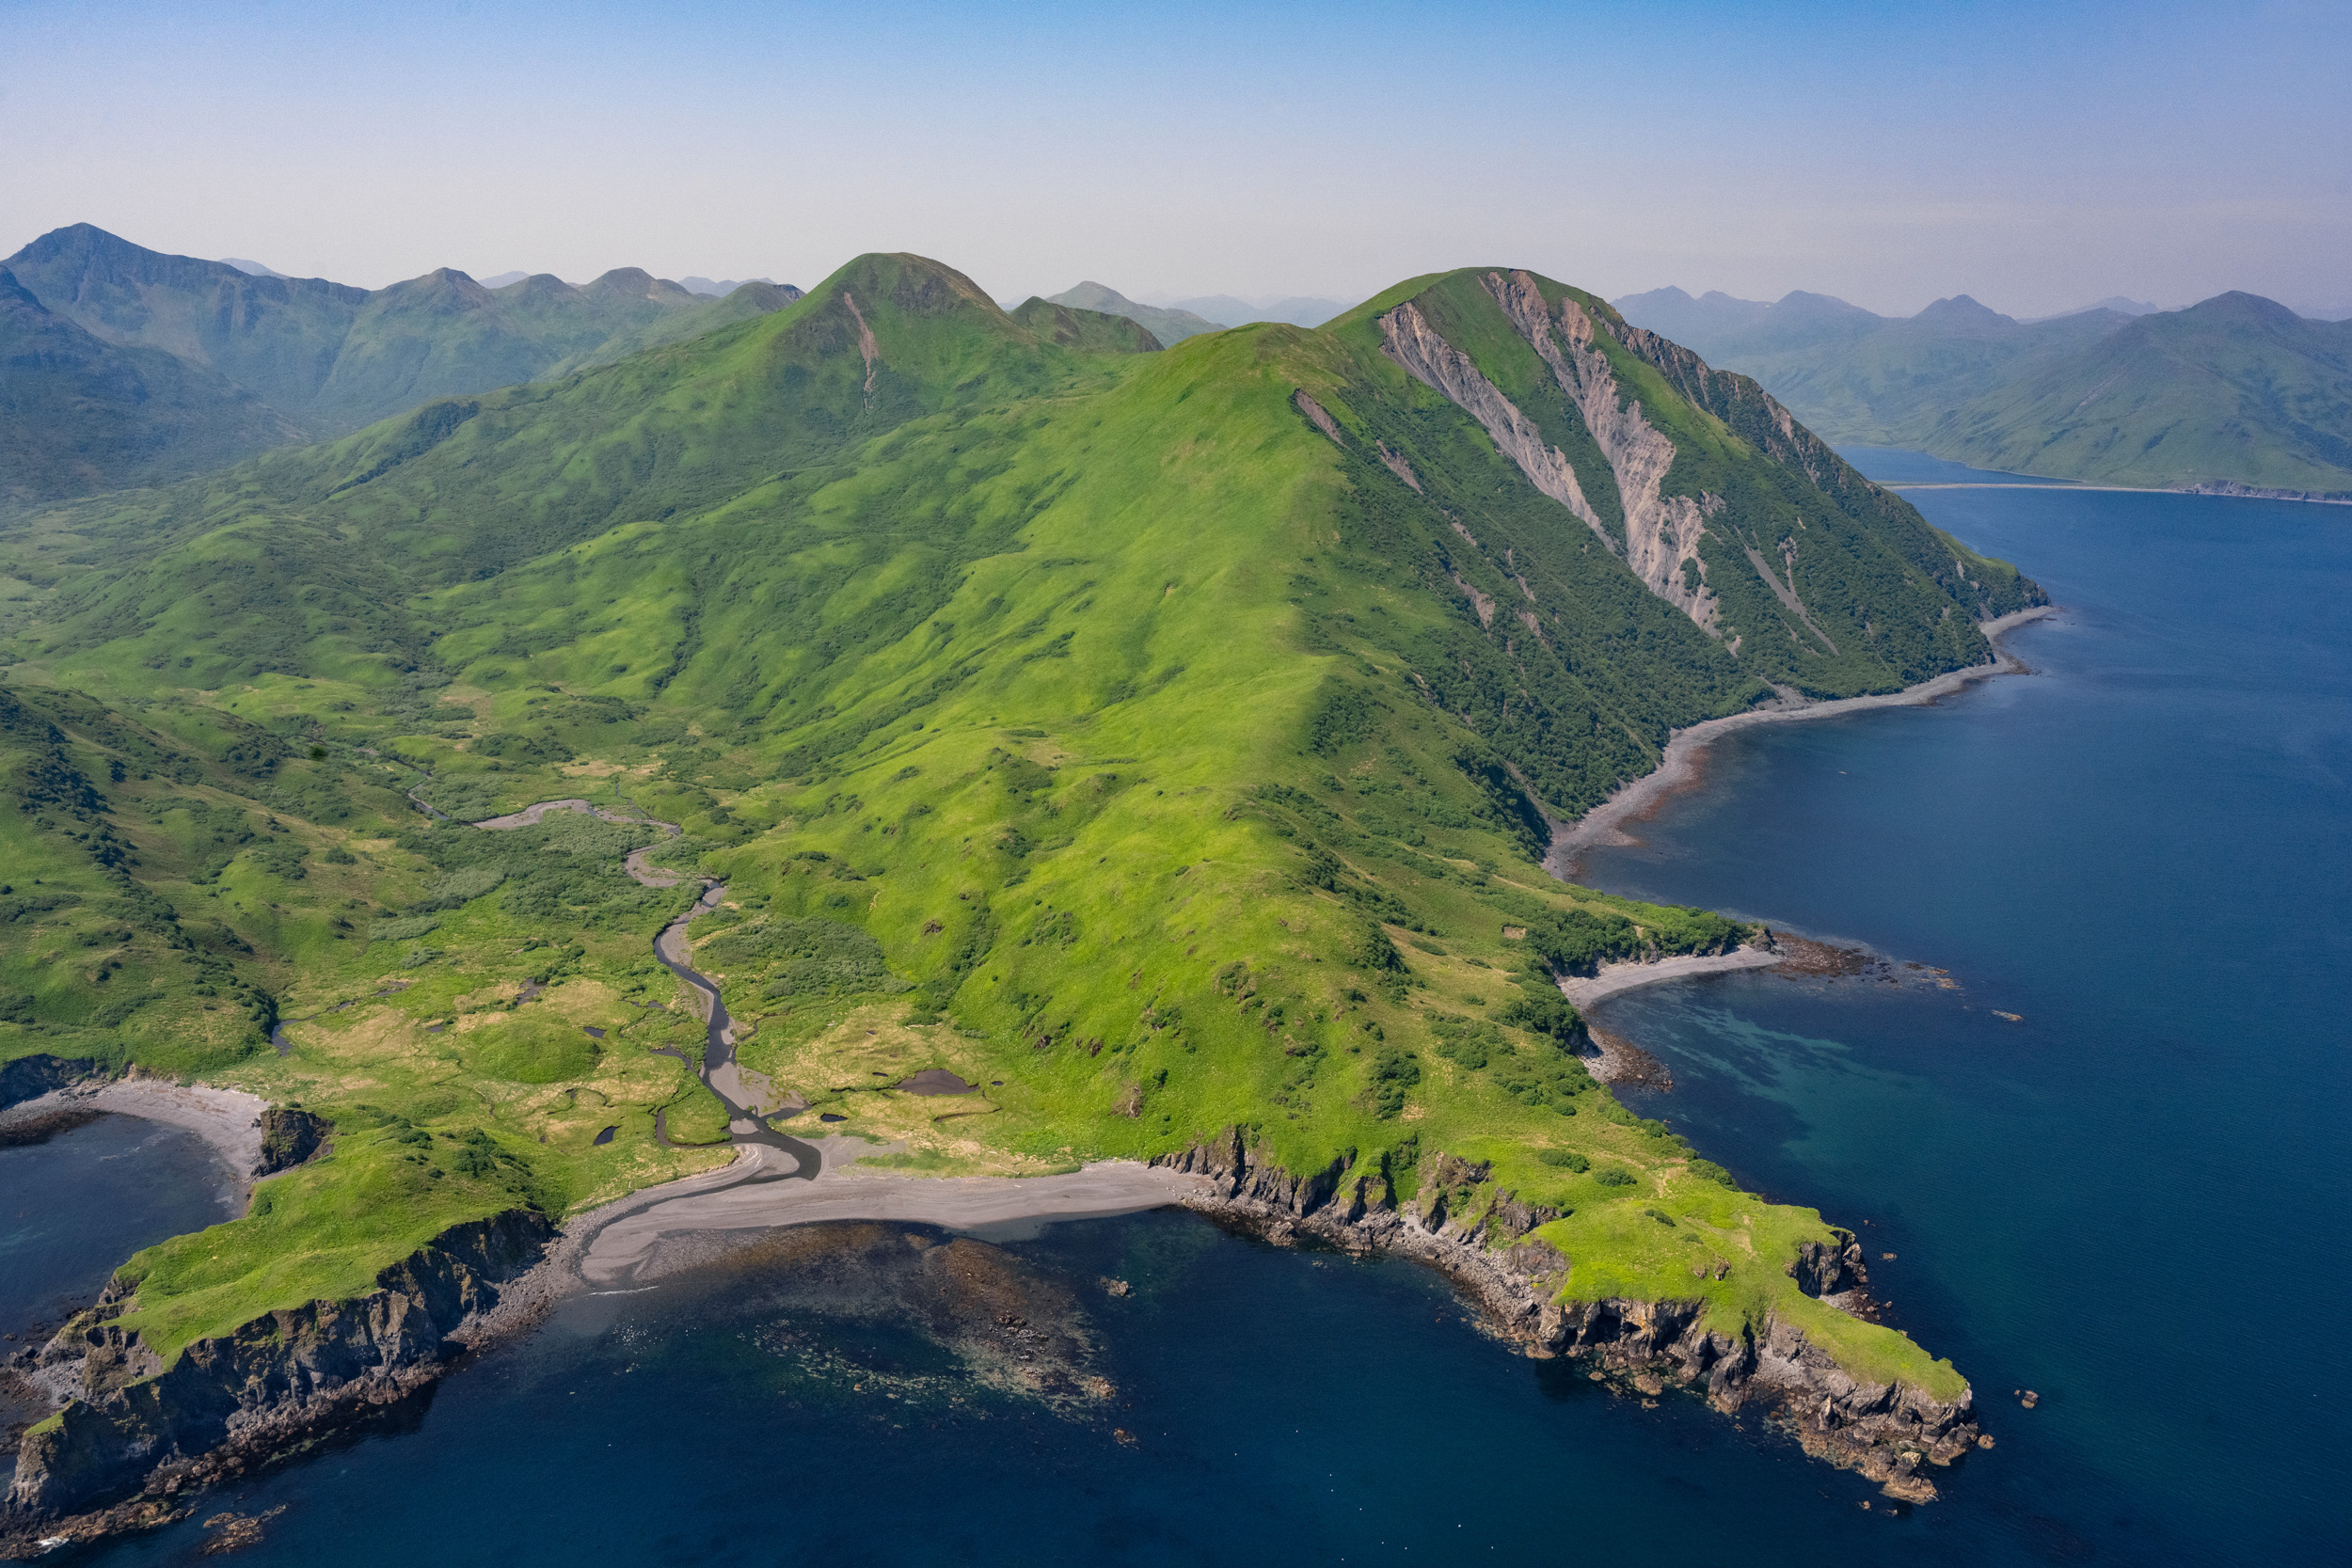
(289, 1137)
(30, 1077)
(1410, 340)
(1460, 1223)
(129, 1425)
(1661, 531)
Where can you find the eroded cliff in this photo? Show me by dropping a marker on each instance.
(1481, 1236)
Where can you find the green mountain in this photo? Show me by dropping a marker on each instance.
(1163, 741)
(326, 358)
(2234, 391)
(1072, 327)
(78, 414)
(1168, 327)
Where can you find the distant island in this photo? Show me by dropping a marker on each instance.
(2236, 394)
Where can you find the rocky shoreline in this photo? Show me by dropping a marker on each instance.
(1463, 1226)
(135, 1444)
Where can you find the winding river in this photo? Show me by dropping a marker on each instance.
(748, 1118)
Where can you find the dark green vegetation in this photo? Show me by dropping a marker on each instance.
(2236, 390)
(1168, 327)
(122, 366)
(1164, 741)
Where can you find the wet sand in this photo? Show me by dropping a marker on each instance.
(1680, 769)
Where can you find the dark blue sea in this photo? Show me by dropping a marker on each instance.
(75, 1206)
(2124, 1200)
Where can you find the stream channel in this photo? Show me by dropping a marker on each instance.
(747, 1121)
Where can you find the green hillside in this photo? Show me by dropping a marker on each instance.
(1072, 327)
(2236, 390)
(265, 359)
(1168, 735)
(1168, 328)
(79, 414)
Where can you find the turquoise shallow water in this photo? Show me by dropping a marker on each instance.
(2125, 1201)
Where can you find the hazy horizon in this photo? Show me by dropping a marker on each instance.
(2032, 162)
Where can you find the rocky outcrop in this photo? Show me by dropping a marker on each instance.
(289, 1137)
(1821, 1270)
(131, 1425)
(1661, 531)
(1461, 1223)
(30, 1077)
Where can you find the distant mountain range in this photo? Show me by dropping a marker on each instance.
(2234, 391)
(1168, 326)
(120, 365)
(1302, 310)
(692, 284)
(79, 413)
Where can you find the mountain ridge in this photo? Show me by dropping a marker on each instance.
(2209, 396)
(1162, 740)
(325, 358)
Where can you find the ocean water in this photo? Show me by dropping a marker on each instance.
(2124, 1200)
(73, 1208)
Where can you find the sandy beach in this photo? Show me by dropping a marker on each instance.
(1680, 769)
(611, 1247)
(228, 1119)
(1613, 978)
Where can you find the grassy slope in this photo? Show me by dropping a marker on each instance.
(164, 916)
(1115, 701)
(2234, 389)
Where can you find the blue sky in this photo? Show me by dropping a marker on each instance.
(2036, 156)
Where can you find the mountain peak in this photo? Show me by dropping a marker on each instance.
(1802, 302)
(1962, 311)
(913, 285)
(2239, 306)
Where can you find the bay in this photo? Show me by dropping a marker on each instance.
(72, 1208)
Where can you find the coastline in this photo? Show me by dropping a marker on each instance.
(1613, 979)
(229, 1121)
(617, 1247)
(2223, 489)
(1678, 769)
